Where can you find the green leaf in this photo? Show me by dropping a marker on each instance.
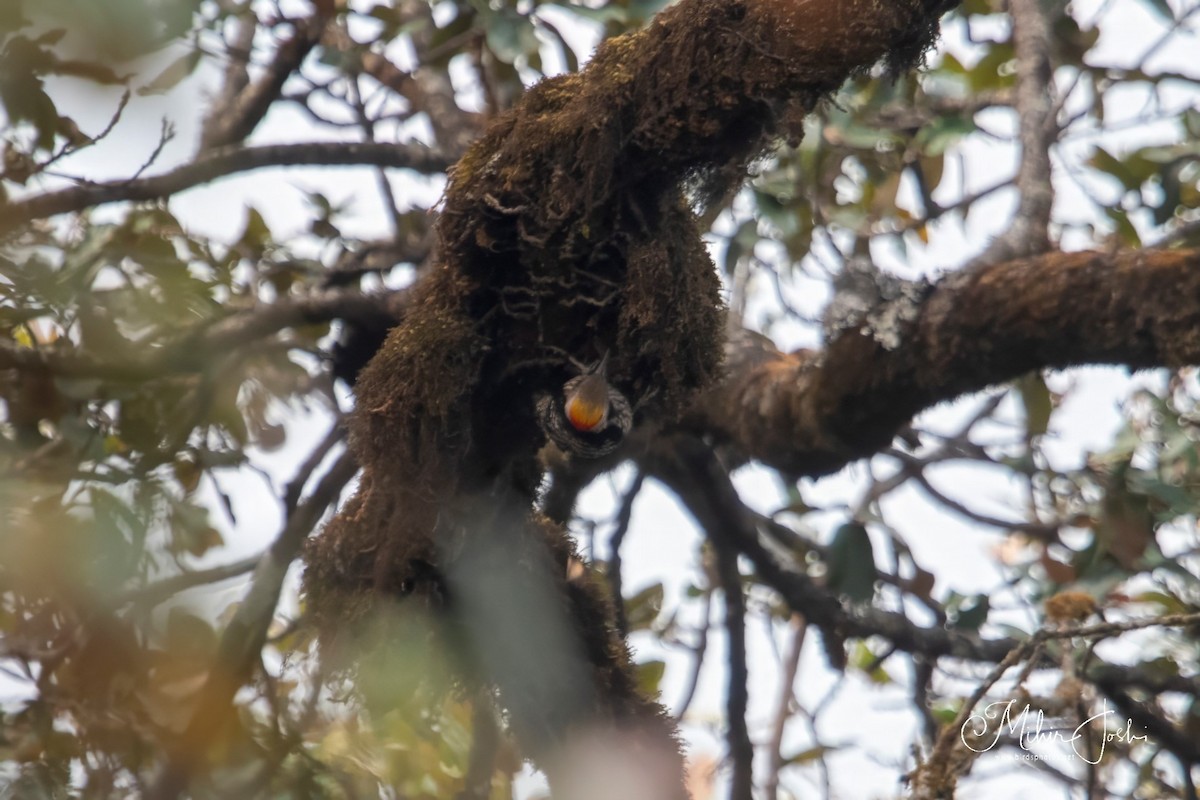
(649, 676)
(946, 711)
(943, 133)
(1037, 402)
(1167, 603)
(863, 659)
(971, 612)
(11, 16)
(1163, 8)
(255, 237)
(851, 562)
(739, 244)
(1109, 164)
(189, 635)
(995, 70)
(1126, 526)
(173, 73)
(808, 755)
(191, 531)
(510, 35)
(642, 609)
(1125, 230)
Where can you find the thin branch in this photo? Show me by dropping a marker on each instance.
(435, 95)
(218, 164)
(236, 77)
(783, 708)
(162, 590)
(1179, 743)
(291, 493)
(1036, 530)
(741, 749)
(165, 136)
(624, 515)
(70, 148)
(936, 777)
(698, 652)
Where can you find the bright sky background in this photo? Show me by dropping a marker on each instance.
(875, 725)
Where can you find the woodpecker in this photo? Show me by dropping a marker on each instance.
(587, 398)
(593, 416)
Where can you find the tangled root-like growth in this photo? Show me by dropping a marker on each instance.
(568, 233)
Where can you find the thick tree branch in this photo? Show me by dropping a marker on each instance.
(810, 413)
(218, 164)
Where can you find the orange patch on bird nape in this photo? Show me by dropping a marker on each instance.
(584, 416)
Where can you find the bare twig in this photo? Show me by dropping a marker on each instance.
(698, 652)
(1036, 530)
(291, 493)
(783, 709)
(453, 128)
(624, 515)
(71, 147)
(218, 164)
(937, 776)
(165, 135)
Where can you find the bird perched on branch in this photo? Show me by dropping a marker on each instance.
(593, 416)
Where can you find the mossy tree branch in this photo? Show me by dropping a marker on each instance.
(813, 412)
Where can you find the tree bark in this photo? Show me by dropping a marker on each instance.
(813, 412)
